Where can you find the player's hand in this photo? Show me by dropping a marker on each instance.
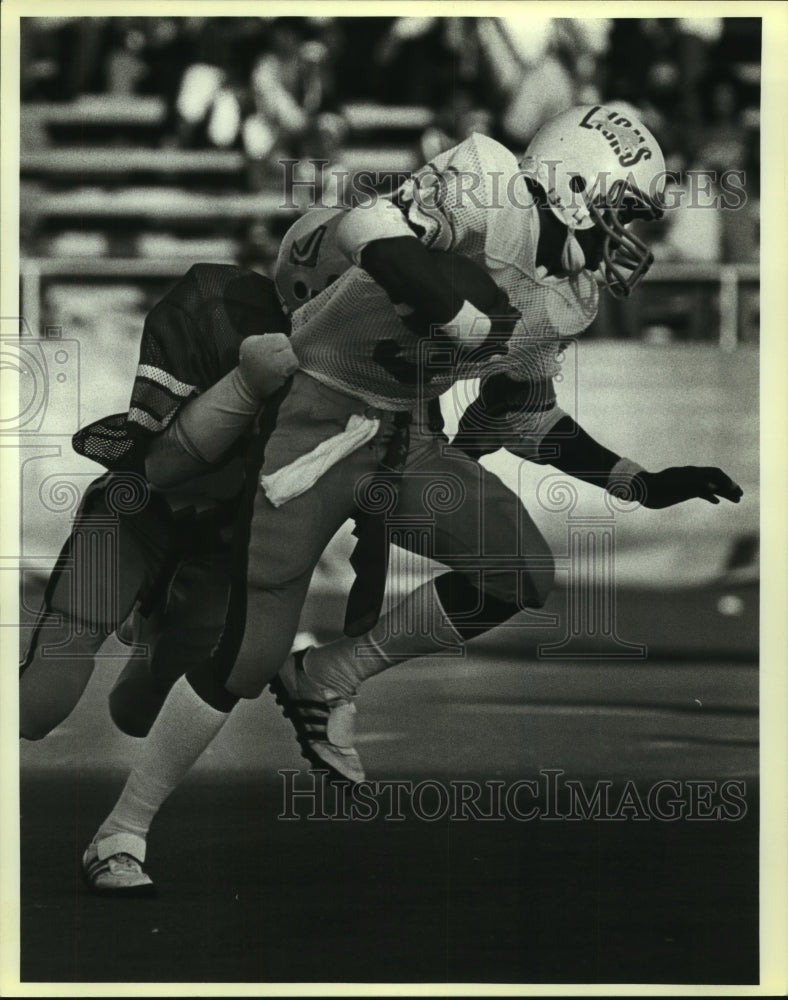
(672, 486)
(266, 361)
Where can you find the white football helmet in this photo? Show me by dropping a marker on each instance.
(599, 166)
(309, 259)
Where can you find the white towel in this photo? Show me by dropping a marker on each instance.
(296, 478)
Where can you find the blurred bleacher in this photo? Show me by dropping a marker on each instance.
(127, 209)
(116, 204)
(109, 197)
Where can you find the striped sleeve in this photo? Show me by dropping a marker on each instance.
(175, 363)
(172, 367)
(189, 341)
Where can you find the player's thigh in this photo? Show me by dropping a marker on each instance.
(309, 414)
(107, 561)
(101, 569)
(285, 542)
(93, 588)
(475, 524)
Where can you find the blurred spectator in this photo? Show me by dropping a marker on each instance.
(288, 84)
(454, 123)
(725, 146)
(169, 52)
(125, 65)
(421, 60)
(276, 101)
(722, 141)
(199, 90)
(213, 91)
(695, 37)
(527, 82)
(643, 70)
(583, 45)
(433, 62)
(295, 113)
(538, 67)
(273, 88)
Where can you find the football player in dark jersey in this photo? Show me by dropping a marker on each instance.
(152, 544)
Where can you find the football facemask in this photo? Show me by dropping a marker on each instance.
(625, 257)
(600, 167)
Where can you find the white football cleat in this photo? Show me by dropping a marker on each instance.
(323, 720)
(111, 867)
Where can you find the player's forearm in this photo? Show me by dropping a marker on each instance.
(378, 239)
(204, 430)
(572, 450)
(569, 448)
(427, 301)
(406, 270)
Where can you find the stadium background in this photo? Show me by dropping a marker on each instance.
(148, 144)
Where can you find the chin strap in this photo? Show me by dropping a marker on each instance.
(573, 259)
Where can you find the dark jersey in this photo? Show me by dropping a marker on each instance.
(190, 340)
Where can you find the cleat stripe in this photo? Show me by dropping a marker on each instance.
(310, 729)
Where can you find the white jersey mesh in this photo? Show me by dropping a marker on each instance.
(470, 200)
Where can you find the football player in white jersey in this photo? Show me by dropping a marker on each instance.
(389, 335)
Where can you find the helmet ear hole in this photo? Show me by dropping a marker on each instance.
(577, 183)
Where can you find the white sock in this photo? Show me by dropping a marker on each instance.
(184, 728)
(418, 626)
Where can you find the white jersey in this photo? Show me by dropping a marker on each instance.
(471, 200)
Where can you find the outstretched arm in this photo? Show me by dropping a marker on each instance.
(571, 449)
(523, 417)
